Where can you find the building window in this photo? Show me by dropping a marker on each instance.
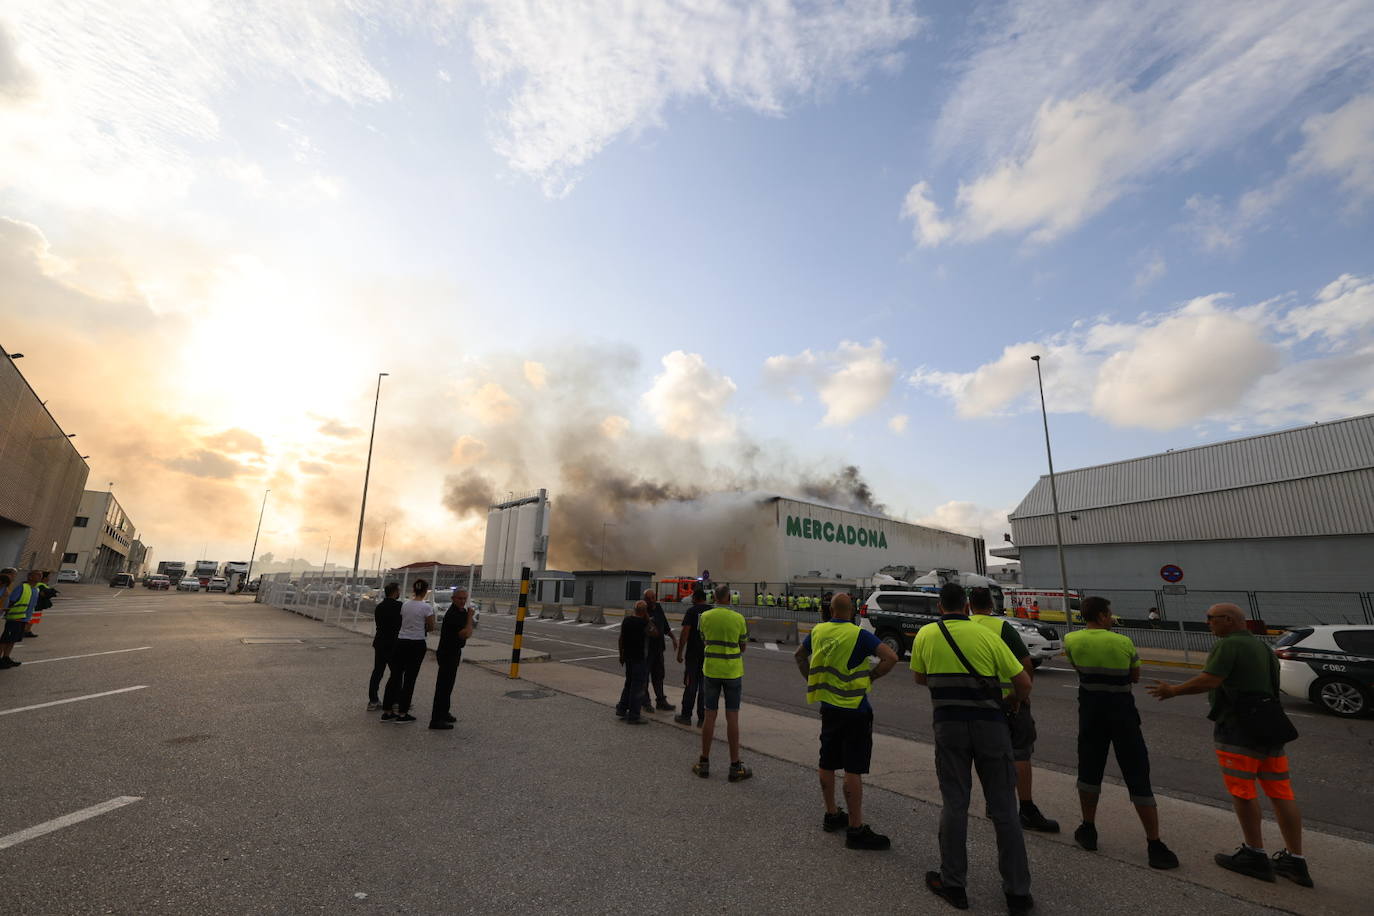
(568, 588)
(68, 558)
(81, 521)
(634, 590)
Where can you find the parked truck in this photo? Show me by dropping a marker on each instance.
(205, 571)
(172, 569)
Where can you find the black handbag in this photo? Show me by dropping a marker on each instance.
(1260, 716)
(992, 688)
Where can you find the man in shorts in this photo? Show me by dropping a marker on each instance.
(834, 660)
(1241, 664)
(726, 634)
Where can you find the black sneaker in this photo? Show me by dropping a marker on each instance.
(1247, 861)
(665, 706)
(1032, 819)
(700, 722)
(683, 720)
(7, 663)
(620, 713)
(388, 716)
(405, 717)
(441, 726)
(702, 768)
(864, 838)
(1017, 904)
(1292, 868)
(1161, 856)
(837, 821)
(640, 721)
(739, 772)
(956, 897)
(12, 663)
(373, 706)
(450, 718)
(1086, 836)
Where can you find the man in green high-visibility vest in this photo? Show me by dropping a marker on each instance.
(725, 635)
(834, 660)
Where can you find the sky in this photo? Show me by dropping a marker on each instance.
(645, 251)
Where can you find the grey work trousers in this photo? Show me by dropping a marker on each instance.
(961, 747)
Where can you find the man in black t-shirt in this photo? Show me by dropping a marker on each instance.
(387, 615)
(659, 621)
(690, 643)
(453, 636)
(636, 632)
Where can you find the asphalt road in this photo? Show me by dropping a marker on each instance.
(192, 753)
(1330, 752)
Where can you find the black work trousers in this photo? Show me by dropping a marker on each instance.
(1113, 722)
(655, 678)
(443, 687)
(381, 655)
(405, 668)
(694, 692)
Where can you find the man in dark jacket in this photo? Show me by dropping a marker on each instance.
(453, 636)
(636, 631)
(387, 615)
(695, 648)
(657, 647)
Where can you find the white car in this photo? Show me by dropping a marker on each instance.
(68, 575)
(188, 584)
(896, 615)
(1330, 665)
(218, 584)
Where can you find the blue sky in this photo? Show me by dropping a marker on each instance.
(831, 231)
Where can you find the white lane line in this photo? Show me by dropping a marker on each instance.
(580, 625)
(772, 645)
(89, 696)
(67, 658)
(66, 820)
(587, 658)
(610, 626)
(61, 614)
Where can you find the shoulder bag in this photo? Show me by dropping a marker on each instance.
(1260, 716)
(991, 686)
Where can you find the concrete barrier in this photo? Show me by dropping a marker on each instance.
(591, 615)
(551, 612)
(761, 630)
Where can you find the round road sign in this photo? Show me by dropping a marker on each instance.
(1171, 573)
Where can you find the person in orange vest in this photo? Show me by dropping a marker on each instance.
(1035, 610)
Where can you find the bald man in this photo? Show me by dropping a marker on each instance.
(1241, 664)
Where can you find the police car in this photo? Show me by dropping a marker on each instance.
(1330, 665)
(896, 615)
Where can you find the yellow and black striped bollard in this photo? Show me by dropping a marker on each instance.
(518, 640)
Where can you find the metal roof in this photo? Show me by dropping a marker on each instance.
(1321, 449)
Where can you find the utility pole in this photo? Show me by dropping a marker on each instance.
(254, 555)
(1054, 495)
(367, 474)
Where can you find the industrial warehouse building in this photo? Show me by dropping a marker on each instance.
(41, 476)
(775, 539)
(1281, 524)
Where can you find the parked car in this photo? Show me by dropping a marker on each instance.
(188, 584)
(159, 582)
(218, 584)
(896, 615)
(122, 580)
(68, 575)
(1331, 665)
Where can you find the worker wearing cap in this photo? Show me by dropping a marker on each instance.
(1107, 666)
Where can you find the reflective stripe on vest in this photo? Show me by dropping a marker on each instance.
(831, 679)
(721, 631)
(1104, 660)
(20, 610)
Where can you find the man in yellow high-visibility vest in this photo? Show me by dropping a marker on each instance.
(726, 635)
(18, 604)
(834, 660)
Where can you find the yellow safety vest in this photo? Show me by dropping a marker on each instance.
(722, 629)
(831, 679)
(20, 610)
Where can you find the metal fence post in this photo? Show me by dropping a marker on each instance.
(1183, 634)
(518, 640)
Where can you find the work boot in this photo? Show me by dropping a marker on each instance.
(665, 706)
(683, 720)
(1086, 836)
(1161, 856)
(956, 897)
(702, 768)
(1247, 861)
(739, 772)
(1032, 819)
(1018, 904)
(837, 821)
(1292, 867)
(864, 838)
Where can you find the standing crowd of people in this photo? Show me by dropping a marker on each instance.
(399, 651)
(980, 677)
(24, 601)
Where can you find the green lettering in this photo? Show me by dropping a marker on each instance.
(882, 539)
(850, 536)
(872, 537)
(863, 538)
(828, 532)
(793, 526)
(806, 527)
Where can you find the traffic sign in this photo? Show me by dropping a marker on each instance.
(1171, 573)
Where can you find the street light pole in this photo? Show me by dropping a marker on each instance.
(248, 577)
(381, 551)
(324, 568)
(367, 473)
(1054, 495)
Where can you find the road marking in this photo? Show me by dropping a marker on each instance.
(67, 658)
(610, 626)
(67, 820)
(587, 658)
(89, 696)
(772, 645)
(583, 625)
(101, 613)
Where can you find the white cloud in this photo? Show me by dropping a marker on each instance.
(1341, 144)
(1151, 271)
(1069, 104)
(969, 518)
(898, 423)
(690, 400)
(1204, 361)
(930, 229)
(851, 382)
(583, 72)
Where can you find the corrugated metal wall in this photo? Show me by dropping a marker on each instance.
(1328, 448)
(1332, 504)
